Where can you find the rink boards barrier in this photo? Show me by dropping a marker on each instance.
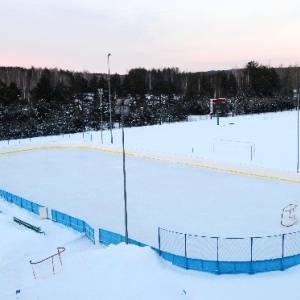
(108, 237)
(56, 216)
(209, 254)
(21, 202)
(74, 223)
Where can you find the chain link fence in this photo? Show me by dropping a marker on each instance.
(230, 255)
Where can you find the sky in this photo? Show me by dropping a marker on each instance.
(193, 35)
(83, 177)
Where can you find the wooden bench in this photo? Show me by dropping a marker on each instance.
(32, 227)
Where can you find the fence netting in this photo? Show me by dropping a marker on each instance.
(269, 247)
(201, 246)
(172, 242)
(291, 244)
(234, 249)
(229, 249)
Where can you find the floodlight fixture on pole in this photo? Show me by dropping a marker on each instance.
(109, 100)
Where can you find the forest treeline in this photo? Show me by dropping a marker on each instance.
(37, 101)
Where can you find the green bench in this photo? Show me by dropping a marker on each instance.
(35, 228)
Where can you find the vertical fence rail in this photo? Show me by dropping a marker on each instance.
(251, 266)
(159, 240)
(282, 255)
(185, 245)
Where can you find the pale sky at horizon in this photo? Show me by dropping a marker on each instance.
(193, 35)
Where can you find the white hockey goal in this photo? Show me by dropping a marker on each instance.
(288, 215)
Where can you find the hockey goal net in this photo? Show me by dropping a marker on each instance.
(288, 215)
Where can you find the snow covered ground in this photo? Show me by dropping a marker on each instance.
(188, 177)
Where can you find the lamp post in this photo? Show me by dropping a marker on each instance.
(122, 107)
(109, 100)
(68, 116)
(296, 93)
(101, 112)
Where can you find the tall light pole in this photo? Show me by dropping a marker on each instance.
(67, 114)
(101, 112)
(297, 90)
(123, 109)
(109, 100)
(124, 176)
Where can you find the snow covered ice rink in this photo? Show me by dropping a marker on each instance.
(187, 177)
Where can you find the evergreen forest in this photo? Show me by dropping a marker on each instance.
(36, 101)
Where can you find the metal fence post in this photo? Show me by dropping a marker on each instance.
(186, 260)
(251, 262)
(185, 244)
(218, 270)
(159, 241)
(282, 255)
